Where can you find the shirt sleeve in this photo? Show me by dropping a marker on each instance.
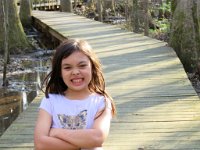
(104, 103)
(46, 105)
(101, 104)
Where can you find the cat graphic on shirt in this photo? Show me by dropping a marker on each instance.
(73, 122)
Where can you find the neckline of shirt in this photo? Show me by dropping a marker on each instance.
(79, 100)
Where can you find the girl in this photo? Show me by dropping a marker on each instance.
(76, 111)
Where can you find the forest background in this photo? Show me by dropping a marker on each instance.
(177, 22)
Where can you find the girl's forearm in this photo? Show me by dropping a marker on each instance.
(84, 138)
(52, 143)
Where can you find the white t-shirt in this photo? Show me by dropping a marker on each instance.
(73, 114)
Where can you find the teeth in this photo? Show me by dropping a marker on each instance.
(76, 80)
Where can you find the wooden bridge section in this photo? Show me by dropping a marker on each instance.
(46, 5)
(158, 109)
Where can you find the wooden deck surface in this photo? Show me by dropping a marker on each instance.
(158, 109)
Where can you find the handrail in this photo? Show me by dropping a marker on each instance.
(46, 4)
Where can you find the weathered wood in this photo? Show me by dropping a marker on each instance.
(157, 106)
(51, 5)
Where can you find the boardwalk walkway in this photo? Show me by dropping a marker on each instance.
(158, 108)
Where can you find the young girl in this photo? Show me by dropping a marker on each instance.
(76, 112)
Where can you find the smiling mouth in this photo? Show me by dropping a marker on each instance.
(77, 81)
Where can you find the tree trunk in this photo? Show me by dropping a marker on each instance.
(184, 38)
(17, 41)
(100, 10)
(146, 17)
(173, 6)
(25, 13)
(5, 27)
(91, 3)
(126, 7)
(66, 5)
(135, 21)
(75, 4)
(197, 26)
(109, 4)
(198, 15)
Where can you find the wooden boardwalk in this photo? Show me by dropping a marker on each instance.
(158, 109)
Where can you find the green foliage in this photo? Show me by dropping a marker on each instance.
(166, 7)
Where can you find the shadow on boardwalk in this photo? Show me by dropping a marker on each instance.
(157, 106)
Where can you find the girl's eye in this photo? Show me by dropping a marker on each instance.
(67, 68)
(83, 66)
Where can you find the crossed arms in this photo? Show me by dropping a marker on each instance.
(47, 138)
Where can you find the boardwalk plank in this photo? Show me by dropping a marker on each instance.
(156, 103)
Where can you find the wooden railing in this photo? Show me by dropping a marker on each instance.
(46, 4)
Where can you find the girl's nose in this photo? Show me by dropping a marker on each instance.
(76, 72)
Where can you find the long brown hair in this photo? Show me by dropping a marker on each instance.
(54, 82)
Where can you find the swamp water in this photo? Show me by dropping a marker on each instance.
(24, 84)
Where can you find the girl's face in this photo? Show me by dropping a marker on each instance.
(76, 71)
